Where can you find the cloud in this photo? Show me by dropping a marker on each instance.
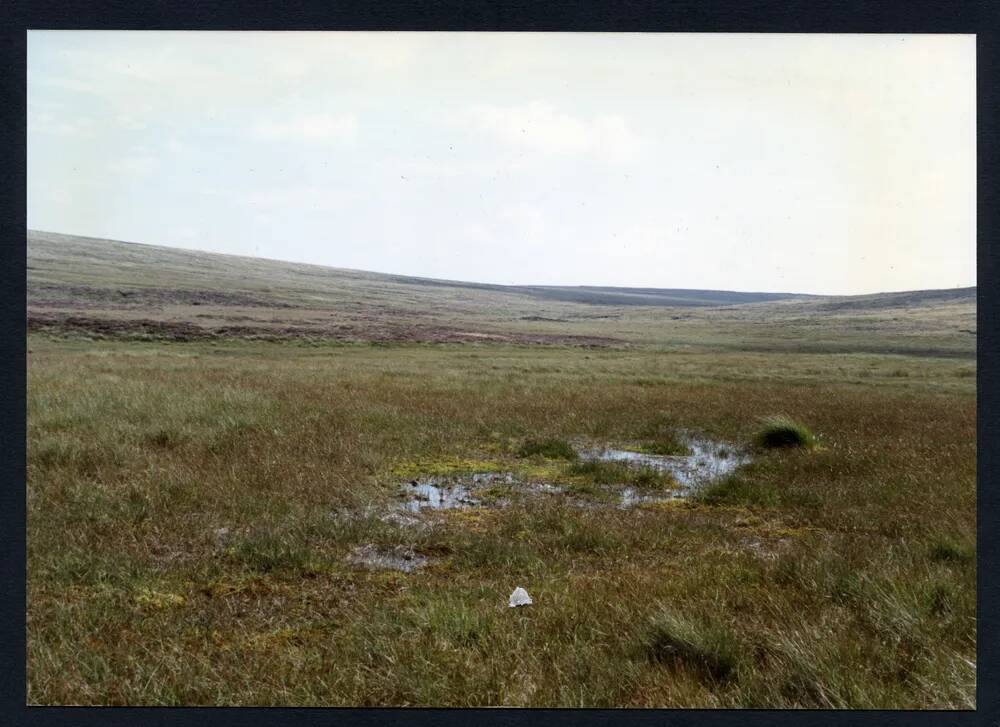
(437, 168)
(47, 123)
(319, 127)
(300, 198)
(139, 165)
(291, 67)
(129, 122)
(71, 84)
(540, 126)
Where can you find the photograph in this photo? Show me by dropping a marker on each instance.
(584, 370)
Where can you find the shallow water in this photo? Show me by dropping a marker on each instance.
(438, 496)
(708, 461)
(447, 493)
(630, 496)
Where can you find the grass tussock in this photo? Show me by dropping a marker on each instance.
(548, 448)
(712, 652)
(945, 550)
(783, 432)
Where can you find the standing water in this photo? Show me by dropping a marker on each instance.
(708, 461)
(438, 496)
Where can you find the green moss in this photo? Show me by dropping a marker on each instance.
(438, 466)
(498, 492)
(545, 471)
(157, 599)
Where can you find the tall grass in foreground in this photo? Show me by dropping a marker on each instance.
(711, 651)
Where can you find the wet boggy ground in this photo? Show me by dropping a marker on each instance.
(708, 461)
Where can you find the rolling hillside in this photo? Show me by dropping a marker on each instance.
(104, 288)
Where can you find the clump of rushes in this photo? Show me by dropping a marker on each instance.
(710, 651)
(548, 448)
(781, 431)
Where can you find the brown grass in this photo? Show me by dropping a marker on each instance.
(824, 569)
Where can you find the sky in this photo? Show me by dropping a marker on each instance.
(831, 164)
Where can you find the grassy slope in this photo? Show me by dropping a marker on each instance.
(840, 577)
(80, 276)
(82, 257)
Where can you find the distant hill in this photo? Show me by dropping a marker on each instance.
(86, 287)
(607, 295)
(906, 299)
(86, 251)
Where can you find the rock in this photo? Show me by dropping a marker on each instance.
(519, 597)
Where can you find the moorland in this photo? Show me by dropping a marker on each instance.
(220, 511)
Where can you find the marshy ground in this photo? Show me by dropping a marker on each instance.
(217, 520)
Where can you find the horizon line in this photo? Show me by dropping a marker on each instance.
(500, 285)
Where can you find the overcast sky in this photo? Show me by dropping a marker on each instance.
(820, 164)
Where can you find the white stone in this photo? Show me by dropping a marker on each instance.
(519, 597)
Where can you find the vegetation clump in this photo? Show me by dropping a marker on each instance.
(666, 445)
(710, 651)
(548, 448)
(617, 473)
(940, 598)
(783, 432)
(737, 489)
(946, 551)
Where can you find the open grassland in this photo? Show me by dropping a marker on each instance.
(842, 576)
(213, 440)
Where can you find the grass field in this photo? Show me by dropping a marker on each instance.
(197, 485)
